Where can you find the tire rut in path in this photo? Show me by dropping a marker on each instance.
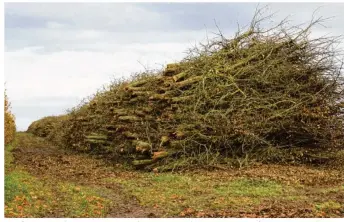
(51, 164)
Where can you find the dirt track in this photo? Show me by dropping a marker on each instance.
(51, 164)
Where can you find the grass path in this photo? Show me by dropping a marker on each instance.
(44, 181)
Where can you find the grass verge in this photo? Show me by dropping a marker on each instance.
(30, 196)
(173, 193)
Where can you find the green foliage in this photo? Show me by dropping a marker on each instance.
(9, 156)
(10, 126)
(44, 126)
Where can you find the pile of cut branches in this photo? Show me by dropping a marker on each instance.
(273, 94)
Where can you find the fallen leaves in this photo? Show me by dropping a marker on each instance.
(77, 189)
(189, 194)
(187, 212)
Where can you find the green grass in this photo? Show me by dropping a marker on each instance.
(81, 201)
(14, 185)
(336, 189)
(250, 188)
(25, 195)
(173, 193)
(194, 193)
(328, 206)
(30, 196)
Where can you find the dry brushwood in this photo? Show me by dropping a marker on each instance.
(262, 93)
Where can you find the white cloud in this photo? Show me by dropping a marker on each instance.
(90, 39)
(55, 25)
(88, 15)
(32, 75)
(71, 72)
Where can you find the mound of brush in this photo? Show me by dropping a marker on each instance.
(265, 94)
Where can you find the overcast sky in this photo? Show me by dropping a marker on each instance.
(58, 53)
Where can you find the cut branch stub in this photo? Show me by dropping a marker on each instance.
(142, 147)
(138, 83)
(142, 93)
(158, 97)
(160, 155)
(142, 163)
(130, 135)
(171, 69)
(120, 112)
(96, 137)
(134, 89)
(179, 76)
(164, 140)
(181, 99)
(129, 118)
(189, 81)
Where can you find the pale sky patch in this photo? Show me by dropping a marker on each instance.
(56, 54)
